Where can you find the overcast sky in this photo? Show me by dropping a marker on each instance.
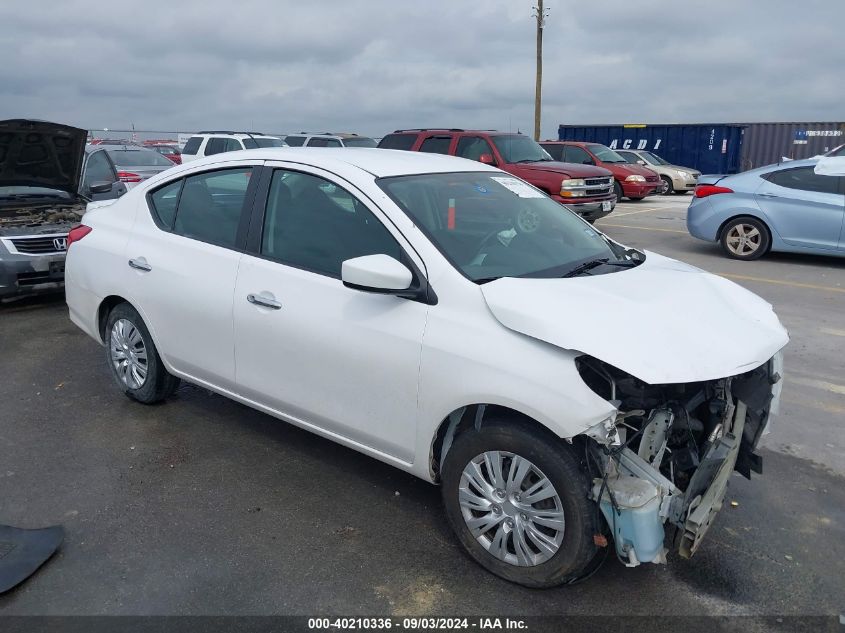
(375, 65)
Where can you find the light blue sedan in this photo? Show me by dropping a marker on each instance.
(787, 207)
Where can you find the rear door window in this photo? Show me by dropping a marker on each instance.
(436, 144)
(164, 203)
(210, 205)
(555, 151)
(398, 141)
(295, 141)
(805, 179)
(215, 145)
(193, 145)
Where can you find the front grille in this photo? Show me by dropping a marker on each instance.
(598, 182)
(41, 245)
(31, 279)
(652, 179)
(598, 192)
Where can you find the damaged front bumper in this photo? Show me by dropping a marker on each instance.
(663, 471)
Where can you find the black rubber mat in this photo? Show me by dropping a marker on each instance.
(24, 551)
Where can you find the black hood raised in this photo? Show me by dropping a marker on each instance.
(41, 154)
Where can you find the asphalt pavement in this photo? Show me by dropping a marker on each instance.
(204, 506)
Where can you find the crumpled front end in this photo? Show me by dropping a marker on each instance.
(660, 473)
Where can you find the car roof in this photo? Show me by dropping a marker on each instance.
(378, 162)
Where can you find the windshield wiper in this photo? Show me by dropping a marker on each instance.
(530, 160)
(595, 263)
(485, 280)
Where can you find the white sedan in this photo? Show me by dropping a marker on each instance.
(442, 316)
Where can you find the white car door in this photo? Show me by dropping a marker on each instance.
(323, 355)
(184, 261)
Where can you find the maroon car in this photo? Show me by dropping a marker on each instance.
(586, 189)
(631, 181)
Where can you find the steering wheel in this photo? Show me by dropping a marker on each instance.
(528, 220)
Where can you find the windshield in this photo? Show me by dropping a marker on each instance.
(360, 141)
(491, 225)
(516, 148)
(138, 158)
(33, 192)
(605, 154)
(654, 159)
(263, 141)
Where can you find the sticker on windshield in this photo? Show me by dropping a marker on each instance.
(518, 187)
(481, 189)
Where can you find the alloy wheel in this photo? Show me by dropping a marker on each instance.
(743, 239)
(511, 508)
(128, 354)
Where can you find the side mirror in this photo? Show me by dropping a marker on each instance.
(641, 162)
(588, 161)
(100, 187)
(376, 273)
(487, 159)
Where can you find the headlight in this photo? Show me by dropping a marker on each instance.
(683, 174)
(573, 188)
(635, 179)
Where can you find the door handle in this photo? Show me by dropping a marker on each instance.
(264, 302)
(140, 264)
(768, 195)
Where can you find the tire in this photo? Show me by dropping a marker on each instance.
(640, 199)
(745, 238)
(617, 189)
(133, 359)
(670, 188)
(515, 442)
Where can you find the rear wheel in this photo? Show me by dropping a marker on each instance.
(745, 238)
(517, 499)
(668, 187)
(133, 359)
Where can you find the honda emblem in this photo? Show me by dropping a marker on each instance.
(60, 243)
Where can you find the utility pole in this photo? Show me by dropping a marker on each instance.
(540, 13)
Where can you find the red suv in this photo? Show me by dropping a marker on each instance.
(632, 181)
(587, 190)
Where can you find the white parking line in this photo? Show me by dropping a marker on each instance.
(816, 384)
(832, 331)
(619, 215)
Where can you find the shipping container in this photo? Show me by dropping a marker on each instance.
(716, 148)
(712, 149)
(767, 143)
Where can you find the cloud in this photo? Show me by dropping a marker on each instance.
(375, 65)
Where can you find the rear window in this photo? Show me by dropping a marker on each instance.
(249, 143)
(193, 145)
(398, 141)
(138, 158)
(295, 141)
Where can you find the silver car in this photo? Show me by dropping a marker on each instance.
(675, 179)
(135, 163)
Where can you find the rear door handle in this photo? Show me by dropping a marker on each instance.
(264, 302)
(768, 195)
(140, 264)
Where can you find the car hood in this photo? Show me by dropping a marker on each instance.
(41, 154)
(689, 170)
(557, 167)
(663, 321)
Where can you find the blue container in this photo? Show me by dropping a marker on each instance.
(710, 148)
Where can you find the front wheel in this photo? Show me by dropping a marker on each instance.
(668, 187)
(517, 499)
(133, 359)
(617, 189)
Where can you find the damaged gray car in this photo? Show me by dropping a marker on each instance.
(47, 178)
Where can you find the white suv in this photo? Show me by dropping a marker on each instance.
(451, 320)
(204, 144)
(329, 139)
